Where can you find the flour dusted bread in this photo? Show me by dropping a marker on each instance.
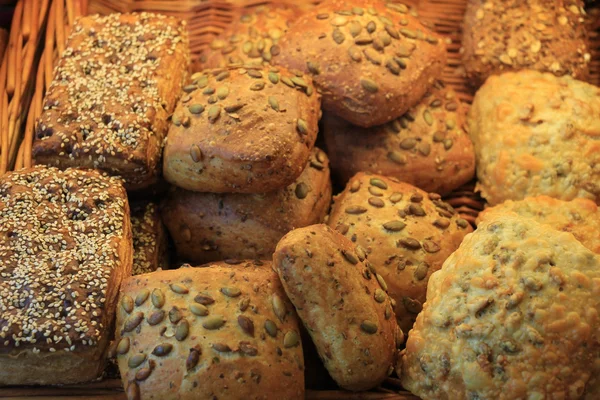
(242, 130)
(513, 314)
(426, 147)
(536, 134)
(342, 302)
(112, 92)
(372, 61)
(65, 247)
(509, 35)
(406, 233)
(217, 332)
(210, 227)
(149, 238)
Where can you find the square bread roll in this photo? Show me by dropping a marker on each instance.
(65, 247)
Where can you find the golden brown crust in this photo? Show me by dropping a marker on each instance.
(242, 130)
(426, 147)
(372, 61)
(340, 300)
(406, 233)
(65, 247)
(210, 227)
(222, 331)
(513, 314)
(113, 90)
(251, 38)
(149, 238)
(536, 134)
(509, 35)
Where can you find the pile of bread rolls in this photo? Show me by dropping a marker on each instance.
(273, 270)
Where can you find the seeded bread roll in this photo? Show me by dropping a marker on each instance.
(426, 147)
(342, 303)
(242, 130)
(210, 227)
(219, 332)
(65, 247)
(509, 35)
(149, 238)
(251, 38)
(406, 233)
(113, 90)
(536, 134)
(372, 61)
(513, 314)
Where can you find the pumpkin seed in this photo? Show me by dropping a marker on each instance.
(246, 324)
(213, 322)
(193, 358)
(432, 40)
(462, 223)
(127, 304)
(401, 63)
(397, 157)
(273, 51)
(143, 374)
(392, 66)
(401, 8)
(133, 391)
(375, 58)
(196, 109)
(388, 312)
(221, 347)
(355, 28)
(381, 282)
(363, 40)
(369, 85)
(202, 82)
(213, 113)
(248, 349)
(411, 305)
(133, 321)
(222, 92)
(354, 187)
(420, 272)
(375, 191)
(186, 122)
(302, 126)
(233, 108)
(231, 291)
(136, 360)
(408, 33)
(123, 346)
(396, 197)
(222, 75)
(360, 252)
(271, 328)
(371, 26)
(291, 339)
(378, 183)
(351, 258)
(357, 11)
(378, 45)
(287, 81)
(392, 31)
(183, 329)
(424, 149)
(448, 144)
(179, 289)
(189, 88)
(355, 210)
(247, 47)
(368, 327)
(394, 226)
(254, 74)
(301, 190)
(175, 315)
(257, 86)
(410, 243)
(322, 16)
(243, 304)
(313, 68)
(273, 77)
(196, 155)
(156, 317)
(417, 210)
(408, 143)
(428, 117)
(279, 307)
(339, 21)
(209, 91)
(431, 246)
(376, 202)
(355, 53)
(204, 299)
(299, 82)
(379, 295)
(338, 36)
(162, 349)
(199, 310)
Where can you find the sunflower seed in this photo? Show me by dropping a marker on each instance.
(351, 258)
(123, 346)
(354, 187)
(368, 327)
(213, 322)
(313, 68)
(388, 312)
(279, 307)
(369, 85)
(231, 291)
(204, 299)
(428, 117)
(179, 289)
(156, 318)
(193, 358)
(271, 328)
(248, 349)
(301, 190)
(386, 21)
(127, 304)
(379, 295)
(396, 197)
(302, 126)
(322, 16)
(136, 360)
(291, 339)
(381, 282)
(394, 226)
(378, 45)
(133, 321)
(401, 63)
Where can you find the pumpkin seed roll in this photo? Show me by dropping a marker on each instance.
(149, 238)
(426, 147)
(242, 130)
(114, 87)
(406, 233)
(343, 304)
(210, 227)
(253, 37)
(218, 332)
(65, 247)
(513, 314)
(372, 61)
(509, 35)
(536, 134)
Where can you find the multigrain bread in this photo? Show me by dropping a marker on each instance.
(536, 134)
(513, 314)
(509, 35)
(65, 247)
(218, 332)
(343, 304)
(372, 61)
(426, 147)
(242, 130)
(251, 38)
(150, 240)
(406, 233)
(210, 227)
(113, 90)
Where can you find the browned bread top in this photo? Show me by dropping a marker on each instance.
(505, 35)
(242, 129)
(65, 243)
(149, 238)
(113, 89)
(252, 38)
(372, 61)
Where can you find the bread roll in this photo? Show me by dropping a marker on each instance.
(210, 227)
(426, 147)
(535, 134)
(65, 247)
(513, 314)
(242, 130)
(149, 238)
(113, 90)
(343, 304)
(406, 233)
(372, 61)
(509, 35)
(219, 332)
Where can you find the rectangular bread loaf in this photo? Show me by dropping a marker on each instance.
(150, 243)
(114, 87)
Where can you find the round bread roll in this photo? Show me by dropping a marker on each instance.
(209, 227)
(242, 130)
(372, 61)
(251, 38)
(536, 134)
(426, 147)
(224, 332)
(513, 314)
(343, 304)
(406, 233)
(581, 217)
